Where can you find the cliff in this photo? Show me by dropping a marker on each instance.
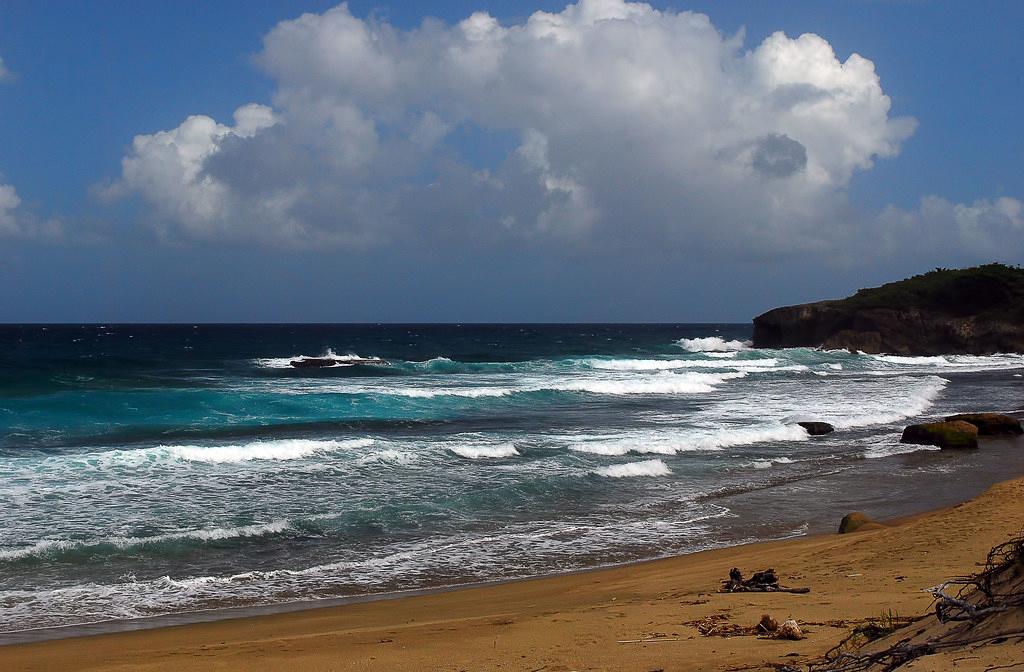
(964, 311)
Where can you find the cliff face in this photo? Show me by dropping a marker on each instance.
(969, 311)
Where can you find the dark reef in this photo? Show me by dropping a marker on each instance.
(966, 311)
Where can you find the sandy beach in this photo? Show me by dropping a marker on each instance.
(590, 620)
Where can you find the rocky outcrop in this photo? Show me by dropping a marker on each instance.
(954, 434)
(325, 362)
(976, 311)
(990, 424)
(817, 428)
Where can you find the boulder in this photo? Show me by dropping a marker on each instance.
(990, 424)
(817, 428)
(954, 434)
(858, 521)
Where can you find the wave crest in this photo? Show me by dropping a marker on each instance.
(58, 547)
(712, 344)
(284, 449)
(633, 469)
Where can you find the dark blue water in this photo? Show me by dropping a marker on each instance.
(149, 470)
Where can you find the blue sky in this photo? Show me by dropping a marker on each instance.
(88, 241)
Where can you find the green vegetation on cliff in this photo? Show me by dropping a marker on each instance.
(965, 291)
(973, 310)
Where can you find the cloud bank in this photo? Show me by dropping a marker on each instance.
(617, 125)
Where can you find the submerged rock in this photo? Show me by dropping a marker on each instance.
(954, 434)
(857, 520)
(990, 424)
(817, 428)
(313, 362)
(324, 362)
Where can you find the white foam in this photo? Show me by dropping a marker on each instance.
(286, 362)
(284, 449)
(48, 546)
(768, 462)
(711, 344)
(631, 469)
(996, 362)
(891, 448)
(485, 452)
(431, 392)
(389, 456)
(905, 403)
(663, 442)
(662, 383)
(670, 364)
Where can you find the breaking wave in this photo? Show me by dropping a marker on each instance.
(671, 364)
(908, 403)
(57, 547)
(768, 462)
(631, 469)
(671, 443)
(712, 344)
(662, 382)
(285, 449)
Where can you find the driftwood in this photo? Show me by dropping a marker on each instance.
(973, 610)
(761, 582)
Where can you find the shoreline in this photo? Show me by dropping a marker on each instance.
(531, 616)
(908, 511)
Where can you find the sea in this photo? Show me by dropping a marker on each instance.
(166, 473)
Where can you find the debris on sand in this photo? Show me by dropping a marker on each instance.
(761, 582)
(789, 630)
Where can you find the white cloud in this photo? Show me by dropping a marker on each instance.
(15, 222)
(984, 230)
(9, 203)
(634, 125)
(5, 73)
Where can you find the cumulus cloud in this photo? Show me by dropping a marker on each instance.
(15, 222)
(5, 73)
(983, 230)
(9, 202)
(624, 125)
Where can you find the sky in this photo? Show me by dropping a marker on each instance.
(475, 161)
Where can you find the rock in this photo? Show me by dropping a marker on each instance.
(955, 434)
(314, 362)
(990, 424)
(857, 520)
(817, 428)
(324, 362)
(974, 311)
(789, 630)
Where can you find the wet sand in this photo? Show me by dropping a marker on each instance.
(589, 620)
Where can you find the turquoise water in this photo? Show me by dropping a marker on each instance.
(151, 470)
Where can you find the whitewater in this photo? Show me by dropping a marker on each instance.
(156, 470)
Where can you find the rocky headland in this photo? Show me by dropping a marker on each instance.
(976, 310)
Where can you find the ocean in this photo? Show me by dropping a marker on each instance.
(157, 471)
